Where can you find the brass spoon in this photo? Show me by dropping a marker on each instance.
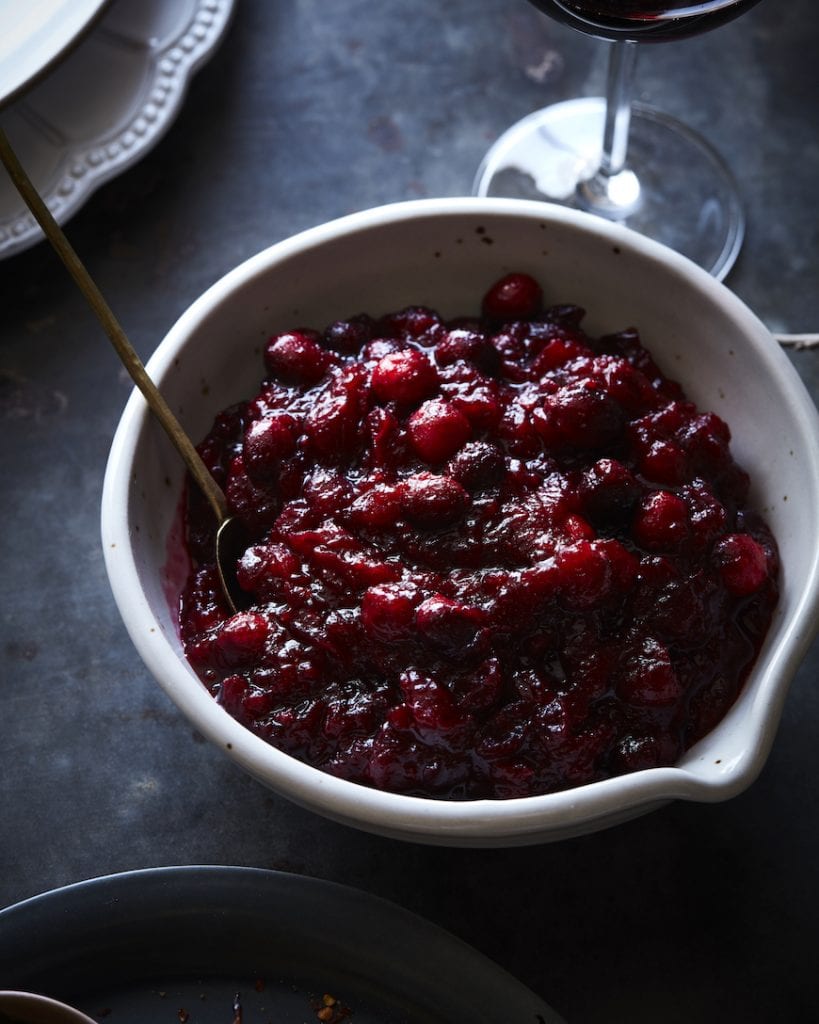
(230, 532)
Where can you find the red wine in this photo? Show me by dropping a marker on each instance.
(644, 20)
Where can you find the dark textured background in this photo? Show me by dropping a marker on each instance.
(312, 109)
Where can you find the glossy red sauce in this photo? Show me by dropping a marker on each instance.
(491, 557)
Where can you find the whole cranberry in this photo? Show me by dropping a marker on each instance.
(334, 422)
(433, 502)
(742, 563)
(327, 491)
(406, 377)
(584, 574)
(557, 352)
(411, 322)
(437, 430)
(514, 297)
(664, 463)
(579, 415)
(649, 679)
(388, 612)
(296, 357)
(267, 441)
(377, 507)
(477, 465)
(349, 336)
(707, 438)
(471, 346)
(609, 491)
(231, 693)
(661, 522)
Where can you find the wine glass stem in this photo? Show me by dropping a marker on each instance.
(622, 59)
(613, 191)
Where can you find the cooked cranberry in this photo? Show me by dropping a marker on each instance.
(451, 626)
(406, 377)
(231, 693)
(584, 574)
(386, 443)
(264, 566)
(470, 345)
(378, 507)
(477, 465)
(327, 492)
(241, 639)
(557, 352)
(296, 357)
(388, 612)
(663, 462)
(433, 710)
(649, 679)
(609, 491)
(437, 430)
(623, 564)
(349, 336)
(636, 753)
(575, 527)
(478, 690)
(413, 321)
(661, 523)
(256, 505)
(433, 502)
(708, 516)
(267, 441)
(707, 438)
(489, 557)
(580, 415)
(514, 297)
(334, 422)
(742, 563)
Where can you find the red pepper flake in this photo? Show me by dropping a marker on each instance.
(259, 986)
(183, 1016)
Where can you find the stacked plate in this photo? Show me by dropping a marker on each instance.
(153, 945)
(87, 87)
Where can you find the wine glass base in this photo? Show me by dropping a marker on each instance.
(676, 190)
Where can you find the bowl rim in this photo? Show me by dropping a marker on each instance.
(34, 1006)
(569, 811)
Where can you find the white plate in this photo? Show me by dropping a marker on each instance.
(35, 34)
(105, 105)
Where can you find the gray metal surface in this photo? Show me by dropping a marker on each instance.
(312, 109)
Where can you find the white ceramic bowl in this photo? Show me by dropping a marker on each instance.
(32, 1008)
(445, 253)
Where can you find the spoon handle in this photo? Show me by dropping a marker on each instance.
(116, 334)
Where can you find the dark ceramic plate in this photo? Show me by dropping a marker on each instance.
(178, 944)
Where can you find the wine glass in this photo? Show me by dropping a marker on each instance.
(621, 160)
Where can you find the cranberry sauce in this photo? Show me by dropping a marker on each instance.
(491, 557)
